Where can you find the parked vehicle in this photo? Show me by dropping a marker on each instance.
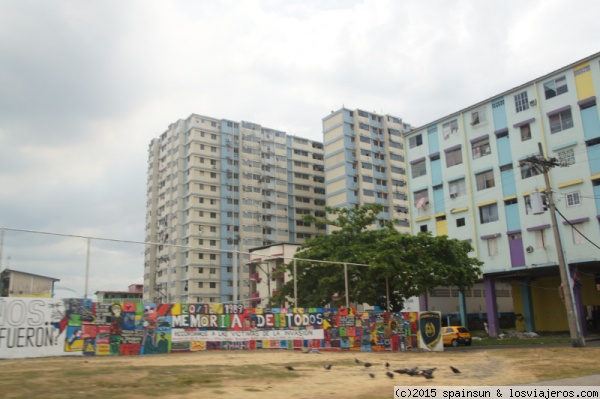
(456, 335)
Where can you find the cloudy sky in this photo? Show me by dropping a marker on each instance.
(85, 86)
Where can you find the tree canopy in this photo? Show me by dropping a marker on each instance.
(401, 264)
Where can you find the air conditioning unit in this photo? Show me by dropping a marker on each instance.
(453, 195)
(533, 103)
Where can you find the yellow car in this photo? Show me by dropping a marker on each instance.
(456, 335)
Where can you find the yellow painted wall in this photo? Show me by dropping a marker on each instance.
(518, 305)
(336, 172)
(548, 309)
(583, 83)
(333, 120)
(441, 227)
(337, 200)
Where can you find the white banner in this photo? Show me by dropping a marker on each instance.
(187, 335)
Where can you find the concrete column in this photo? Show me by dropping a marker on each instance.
(423, 305)
(462, 306)
(491, 307)
(527, 304)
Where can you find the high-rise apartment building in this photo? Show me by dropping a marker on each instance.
(364, 162)
(217, 188)
(471, 178)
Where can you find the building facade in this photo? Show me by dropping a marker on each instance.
(365, 162)
(14, 283)
(477, 175)
(217, 188)
(267, 276)
(134, 293)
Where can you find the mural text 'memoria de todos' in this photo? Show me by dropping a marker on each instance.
(39, 327)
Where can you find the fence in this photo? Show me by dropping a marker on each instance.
(39, 327)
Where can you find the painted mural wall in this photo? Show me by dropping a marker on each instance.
(31, 327)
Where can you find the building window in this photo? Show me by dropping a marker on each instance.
(450, 128)
(488, 213)
(415, 141)
(555, 87)
(528, 169)
(200, 284)
(423, 228)
(421, 199)
(213, 285)
(525, 133)
(578, 234)
(478, 117)
(485, 180)
(460, 222)
(581, 70)
(419, 169)
(200, 270)
(213, 256)
(454, 157)
(540, 241)
(481, 148)
(457, 188)
(521, 102)
(492, 245)
(561, 121)
(573, 198)
(213, 270)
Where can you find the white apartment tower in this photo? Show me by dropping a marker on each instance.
(217, 188)
(365, 164)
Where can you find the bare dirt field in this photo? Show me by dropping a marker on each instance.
(261, 374)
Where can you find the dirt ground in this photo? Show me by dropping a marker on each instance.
(255, 374)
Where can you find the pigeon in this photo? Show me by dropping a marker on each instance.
(290, 368)
(387, 364)
(327, 367)
(368, 364)
(455, 370)
(357, 361)
(391, 375)
(427, 373)
(371, 375)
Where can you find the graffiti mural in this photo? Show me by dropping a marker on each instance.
(52, 327)
(31, 327)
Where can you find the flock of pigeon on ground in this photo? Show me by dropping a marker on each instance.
(415, 371)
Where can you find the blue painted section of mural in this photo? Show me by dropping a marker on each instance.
(128, 328)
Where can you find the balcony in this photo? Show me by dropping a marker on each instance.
(255, 277)
(277, 274)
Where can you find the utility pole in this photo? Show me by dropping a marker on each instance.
(540, 162)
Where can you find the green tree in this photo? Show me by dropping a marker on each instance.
(401, 264)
